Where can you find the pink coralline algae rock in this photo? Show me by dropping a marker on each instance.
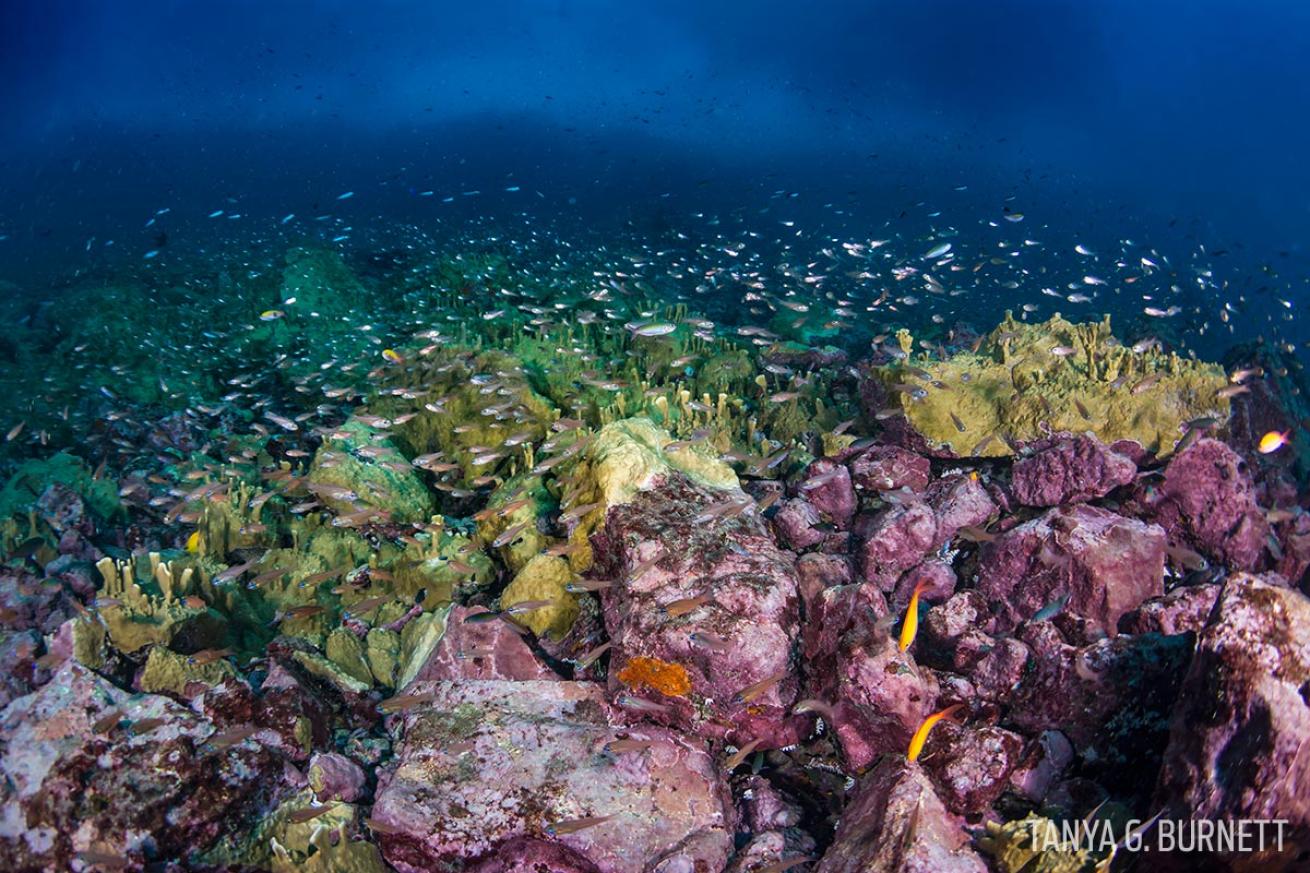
(336, 777)
(1111, 699)
(888, 468)
(497, 772)
(958, 501)
(1239, 745)
(1178, 612)
(797, 524)
(895, 823)
(826, 485)
(818, 570)
(714, 612)
(878, 694)
(78, 779)
(971, 766)
(1207, 501)
(894, 540)
(1070, 470)
(486, 650)
(1097, 565)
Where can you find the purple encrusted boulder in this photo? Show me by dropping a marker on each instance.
(88, 767)
(971, 765)
(336, 777)
(826, 485)
(515, 772)
(895, 823)
(819, 570)
(1111, 699)
(946, 623)
(797, 524)
(878, 694)
(958, 501)
(934, 578)
(1178, 612)
(1239, 741)
(20, 672)
(889, 542)
(1069, 469)
(890, 468)
(1207, 501)
(485, 650)
(1043, 762)
(1088, 562)
(713, 615)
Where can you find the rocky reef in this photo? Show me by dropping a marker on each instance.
(619, 592)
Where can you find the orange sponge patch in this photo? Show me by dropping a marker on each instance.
(666, 678)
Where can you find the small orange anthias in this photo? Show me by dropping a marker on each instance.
(921, 735)
(1273, 441)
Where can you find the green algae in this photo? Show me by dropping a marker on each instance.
(32, 478)
(359, 468)
(1017, 387)
(543, 578)
(167, 671)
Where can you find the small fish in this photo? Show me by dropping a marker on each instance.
(619, 747)
(910, 628)
(15, 431)
(272, 315)
(108, 722)
(1082, 410)
(1232, 391)
(1273, 441)
(406, 701)
(709, 641)
(1186, 558)
(481, 617)
(594, 655)
(1064, 351)
(309, 813)
(582, 586)
(379, 827)
(569, 826)
(528, 606)
(1052, 609)
(105, 860)
(685, 605)
(740, 755)
(750, 692)
(921, 735)
(146, 725)
(232, 736)
(1239, 376)
(640, 704)
(818, 707)
(656, 329)
(959, 425)
(208, 656)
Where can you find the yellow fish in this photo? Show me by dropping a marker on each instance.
(921, 735)
(911, 626)
(193, 542)
(1273, 441)
(393, 356)
(271, 315)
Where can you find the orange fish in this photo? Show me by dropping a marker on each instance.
(921, 735)
(911, 626)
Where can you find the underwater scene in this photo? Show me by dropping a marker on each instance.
(569, 436)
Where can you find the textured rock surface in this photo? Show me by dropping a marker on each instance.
(1103, 563)
(145, 780)
(481, 650)
(1070, 469)
(879, 695)
(713, 612)
(1239, 744)
(1207, 501)
(487, 767)
(888, 468)
(896, 824)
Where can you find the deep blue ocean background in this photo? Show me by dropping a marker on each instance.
(1173, 124)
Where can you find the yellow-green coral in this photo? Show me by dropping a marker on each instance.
(1032, 845)
(543, 578)
(156, 609)
(166, 670)
(359, 468)
(625, 457)
(1028, 380)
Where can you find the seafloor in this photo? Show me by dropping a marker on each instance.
(493, 561)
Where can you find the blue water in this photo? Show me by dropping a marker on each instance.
(1177, 126)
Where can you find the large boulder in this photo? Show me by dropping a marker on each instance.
(512, 773)
(1239, 742)
(1091, 563)
(1070, 469)
(1208, 502)
(702, 614)
(90, 768)
(895, 823)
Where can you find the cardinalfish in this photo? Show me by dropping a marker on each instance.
(685, 605)
(910, 628)
(750, 692)
(921, 735)
(740, 755)
(569, 826)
